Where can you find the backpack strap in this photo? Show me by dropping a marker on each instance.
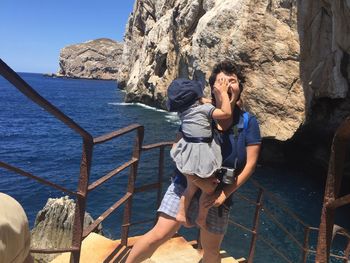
(245, 120)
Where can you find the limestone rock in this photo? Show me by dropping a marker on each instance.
(95, 59)
(54, 225)
(185, 38)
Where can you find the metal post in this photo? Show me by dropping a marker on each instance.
(80, 206)
(131, 185)
(255, 226)
(334, 178)
(306, 243)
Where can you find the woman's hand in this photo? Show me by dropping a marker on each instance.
(216, 199)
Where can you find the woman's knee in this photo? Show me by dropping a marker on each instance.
(211, 243)
(165, 228)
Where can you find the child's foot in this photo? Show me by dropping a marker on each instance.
(183, 220)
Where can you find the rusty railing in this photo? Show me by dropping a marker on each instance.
(331, 202)
(79, 233)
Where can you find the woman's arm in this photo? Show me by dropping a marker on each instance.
(252, 159)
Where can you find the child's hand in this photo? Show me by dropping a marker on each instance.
(216, 199)
(221, 84)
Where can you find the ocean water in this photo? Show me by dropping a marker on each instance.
(36, 142)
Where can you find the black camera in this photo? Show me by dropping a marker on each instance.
(227, 175)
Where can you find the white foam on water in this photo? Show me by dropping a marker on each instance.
(169, 116)
(136, 104)
(172, 117)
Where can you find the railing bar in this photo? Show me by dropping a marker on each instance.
(313, 228)
(28, 91)
(269, 214)
(105, 214)
(111, 174)
(40, 180)
(241, 226)
(255, 225)
(139, 222)
(275, 249)
(281, 205)
(347, 252)
(156, 145)
(53, 251)
(146, 187)
(306, 243)
(339, 202)
(244, 198)
(330, 254)
(115, 134)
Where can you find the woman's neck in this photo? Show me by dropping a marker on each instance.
(224, 125)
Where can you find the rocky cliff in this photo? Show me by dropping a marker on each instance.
(294, 54)
(96, 59)
(54, 225)
(183, 38)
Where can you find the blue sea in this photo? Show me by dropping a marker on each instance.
(34, 141)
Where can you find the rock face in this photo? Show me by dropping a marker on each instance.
(185, 38)
(324, 28)
(295, 55)
(96, 59)
(53, 226)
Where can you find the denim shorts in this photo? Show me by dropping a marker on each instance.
(170, 205)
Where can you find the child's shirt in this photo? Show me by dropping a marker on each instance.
(196, 121)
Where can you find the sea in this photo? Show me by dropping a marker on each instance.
(36, 142)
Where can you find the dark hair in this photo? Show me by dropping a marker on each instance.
(228, 68)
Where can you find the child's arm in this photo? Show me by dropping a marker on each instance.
(223, 110)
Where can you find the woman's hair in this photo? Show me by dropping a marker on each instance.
(228, 68)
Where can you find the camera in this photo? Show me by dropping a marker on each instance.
(227, 175)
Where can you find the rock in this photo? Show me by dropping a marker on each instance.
(295, 56)
(53, 226)
(169, 39)
(95, 59)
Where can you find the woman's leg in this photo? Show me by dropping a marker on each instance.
(185, 201)
(211, 244)
(145, 246)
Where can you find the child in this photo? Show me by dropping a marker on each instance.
(197, 155)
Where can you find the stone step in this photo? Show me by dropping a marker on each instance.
(98, 249)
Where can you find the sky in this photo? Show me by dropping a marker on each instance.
(33, 32)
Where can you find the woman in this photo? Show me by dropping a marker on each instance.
(240, 140)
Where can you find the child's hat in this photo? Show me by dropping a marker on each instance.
(182, 93)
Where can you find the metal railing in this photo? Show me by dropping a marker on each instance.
(260, 207)
(79, 233)
(332, 200)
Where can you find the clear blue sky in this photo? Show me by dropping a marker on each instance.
(32, 32)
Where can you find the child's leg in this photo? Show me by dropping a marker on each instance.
(207, 185)
(202, 212)
(186, 199)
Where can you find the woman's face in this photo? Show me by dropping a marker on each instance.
(233, 84)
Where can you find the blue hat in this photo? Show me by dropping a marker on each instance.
(182, 93)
